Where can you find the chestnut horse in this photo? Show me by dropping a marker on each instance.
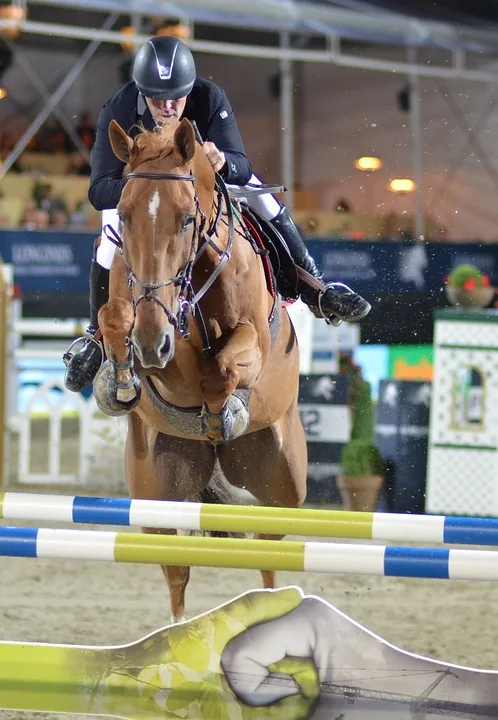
(201, 355)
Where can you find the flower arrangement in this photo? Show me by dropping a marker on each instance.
(468, 277)
(468, 287)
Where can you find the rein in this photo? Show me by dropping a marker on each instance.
(188, 299)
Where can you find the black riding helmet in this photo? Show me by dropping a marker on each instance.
(164, 69)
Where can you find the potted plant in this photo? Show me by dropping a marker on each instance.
(467, 287)
(362, 475)
(362, 467)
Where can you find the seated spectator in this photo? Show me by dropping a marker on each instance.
(33, 217)
(43, 194)
(86, 130)
(28, 216)
(55, 140)
(78, 218)
(42, 219)
(7, 144)
(78, 165)
(59, 218)
(32, 145)
(84, 217)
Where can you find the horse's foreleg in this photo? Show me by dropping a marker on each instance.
(160, 467)
(271, 464)
(236, 365)
(116, 387)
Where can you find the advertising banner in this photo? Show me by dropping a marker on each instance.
(323, 407)
(58, 260)
(401, 435)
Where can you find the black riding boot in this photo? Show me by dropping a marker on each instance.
(337, 301)
(82, 367)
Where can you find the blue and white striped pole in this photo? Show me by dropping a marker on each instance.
(249, 519)
(334, 558)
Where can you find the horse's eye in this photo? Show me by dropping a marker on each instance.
(188, 221)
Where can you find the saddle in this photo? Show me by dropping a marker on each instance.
(280, 269)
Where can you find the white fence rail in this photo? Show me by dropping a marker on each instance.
(51, 436)
(63, 439)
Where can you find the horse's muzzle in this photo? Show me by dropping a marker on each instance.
(157, 354)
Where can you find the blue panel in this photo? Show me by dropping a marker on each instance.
(18, 541)
(59, 261)
(48, 261)
(101, 511)
(471, 531)
(417, 562)
(374, 362)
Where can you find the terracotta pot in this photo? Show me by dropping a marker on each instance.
(360, 492)
(478, 298)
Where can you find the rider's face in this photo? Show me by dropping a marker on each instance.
(161, 110)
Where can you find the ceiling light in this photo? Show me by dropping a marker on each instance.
(402, 185)
(368, 163)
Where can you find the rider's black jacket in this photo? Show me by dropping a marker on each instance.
(207, 104)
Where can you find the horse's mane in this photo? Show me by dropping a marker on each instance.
(153, 144)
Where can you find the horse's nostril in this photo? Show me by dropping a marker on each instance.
(166, 346)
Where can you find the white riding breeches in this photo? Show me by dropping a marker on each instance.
(265, 205)
(105, 251)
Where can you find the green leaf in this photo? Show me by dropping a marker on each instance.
(214, 705)
(182, 697)
(189, 647)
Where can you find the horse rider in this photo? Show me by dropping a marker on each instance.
(165, 85)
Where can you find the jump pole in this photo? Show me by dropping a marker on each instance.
(249, 519)
(334, 558)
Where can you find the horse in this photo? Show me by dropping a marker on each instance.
(201, 355)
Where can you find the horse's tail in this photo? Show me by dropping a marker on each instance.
(221, 492)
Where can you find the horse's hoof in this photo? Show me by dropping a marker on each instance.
(216, 426)
(111, 399)
(231, 423)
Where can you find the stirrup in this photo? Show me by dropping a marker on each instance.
(329, 319)
(334, 286)
(86, 339)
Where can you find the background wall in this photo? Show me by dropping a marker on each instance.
(340, 114)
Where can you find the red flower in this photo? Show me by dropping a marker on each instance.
(470, 284)
(485, 281)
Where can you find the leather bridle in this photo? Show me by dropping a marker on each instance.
(188, 299)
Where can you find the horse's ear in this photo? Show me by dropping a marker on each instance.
(121, 143)
(185, 140)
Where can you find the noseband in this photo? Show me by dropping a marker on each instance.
(201, 238)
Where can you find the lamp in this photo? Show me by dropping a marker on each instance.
(15, 12)
(129, 31)
(368, 163)
(178, 30)
(401, 185)
(3, 93)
